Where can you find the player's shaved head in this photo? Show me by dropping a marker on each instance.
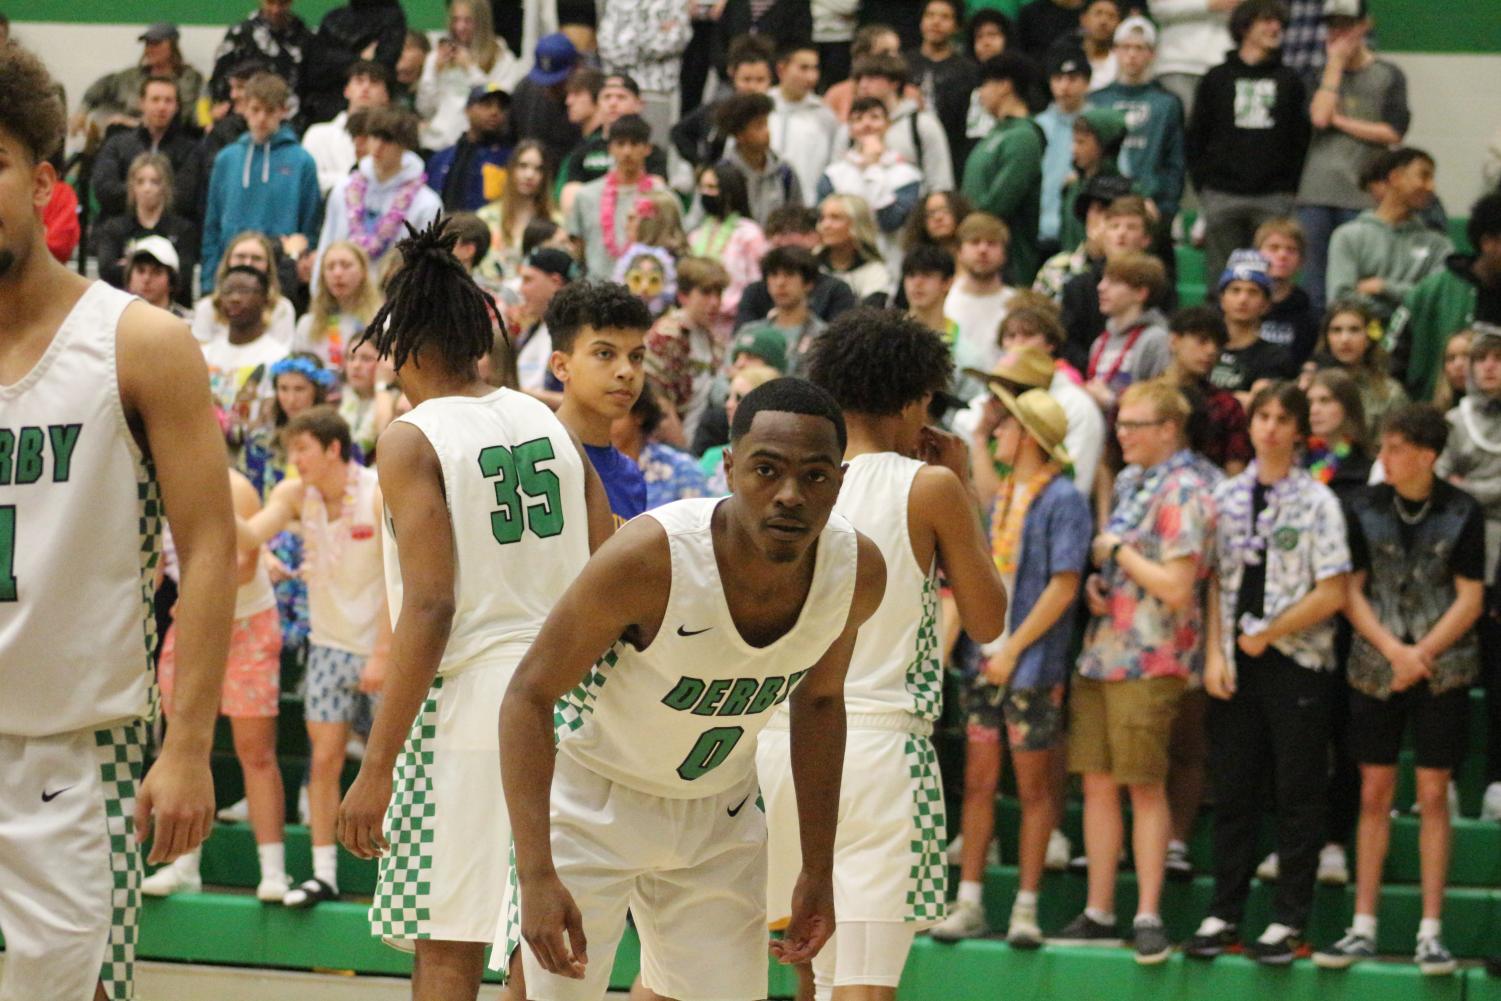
(788, 395)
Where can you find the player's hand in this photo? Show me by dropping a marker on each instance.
(552, 925)
(358, 826)
(938, 447)
(175, 804)
(812, 923)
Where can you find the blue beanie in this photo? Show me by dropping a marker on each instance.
(1246, 266)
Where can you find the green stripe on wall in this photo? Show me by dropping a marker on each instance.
(1437, 26)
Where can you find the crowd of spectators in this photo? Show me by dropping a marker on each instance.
(1258, 623)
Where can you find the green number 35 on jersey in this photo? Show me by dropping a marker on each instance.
(527, 498)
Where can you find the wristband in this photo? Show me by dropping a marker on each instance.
(1115, 550)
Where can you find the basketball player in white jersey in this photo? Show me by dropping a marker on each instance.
(491, 511)
(654, 675)
(334, 503)
(907, 487)
(105, 422)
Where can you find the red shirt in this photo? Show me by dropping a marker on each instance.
(60, 217)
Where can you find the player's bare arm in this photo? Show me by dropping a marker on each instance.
(593, 613)
(818, 728)
(373, 676)
(412, 485)
(164, 388)
(943, 510)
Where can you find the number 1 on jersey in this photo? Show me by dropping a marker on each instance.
(526, 497)
(8, 553)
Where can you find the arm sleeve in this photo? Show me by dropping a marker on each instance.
(893, 216)
(1072, 531)
(1394, 109)
(1153, 358)
(108, 179)
(1196, 130)
(109, 246)
(1468, 559)
(937, 165)
(1397, 290)
(1020, 162)
(687, 134)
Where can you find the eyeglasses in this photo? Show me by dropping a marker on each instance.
(1138, 425)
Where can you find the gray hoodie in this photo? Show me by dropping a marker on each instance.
(1473, 452)
(919, 137)
(1370, 247)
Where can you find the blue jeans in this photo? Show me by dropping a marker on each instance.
(1319, 223)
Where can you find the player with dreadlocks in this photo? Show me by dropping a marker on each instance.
(492, 510)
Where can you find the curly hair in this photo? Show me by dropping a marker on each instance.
(594, 304)
(878, 361)
(30, 109)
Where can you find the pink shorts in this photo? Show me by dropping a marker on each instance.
(252, 678)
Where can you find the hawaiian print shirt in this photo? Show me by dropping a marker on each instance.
(670, 474)
(1307, 544)
(1140, 637)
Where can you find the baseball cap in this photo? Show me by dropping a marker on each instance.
(553, 261)
(161, 31)
(1068, 59)
(1137, 29)
(1246, 266)
(764, 342)
(556, 58)
(1354, 9)
(487, 90)
(154, 248)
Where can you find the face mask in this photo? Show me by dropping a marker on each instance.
(713, 204)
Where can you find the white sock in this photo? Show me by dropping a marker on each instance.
(273, 857)
(187, 863)
(1027, 899)
(1099, 917)
(969, 891)
(1177, 845)
(1364, 925)
(326, 864)
(1428, 928)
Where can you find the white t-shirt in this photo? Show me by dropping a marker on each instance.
(979, 318)
(230, 366)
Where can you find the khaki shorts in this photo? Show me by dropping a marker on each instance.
(1123, 727)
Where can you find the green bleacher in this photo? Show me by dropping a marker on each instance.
(227, 925)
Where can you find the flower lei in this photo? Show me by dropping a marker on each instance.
(710, 240)
(1126, 520)
(607, 203)
(1010, 515)
(1237, 533)
(388, 227)
(1324, 459)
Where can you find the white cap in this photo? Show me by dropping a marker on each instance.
(158, 248)
(1137, 29)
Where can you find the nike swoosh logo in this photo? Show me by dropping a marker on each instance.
(48, 797)
(685, 631)
(741, 804)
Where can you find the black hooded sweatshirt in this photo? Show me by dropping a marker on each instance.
(1249, 132)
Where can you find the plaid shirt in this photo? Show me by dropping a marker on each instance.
(1303, 42)
(1219, 429)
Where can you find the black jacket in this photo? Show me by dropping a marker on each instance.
(1250, 130)
(111, 238)
(830, 297)
(253, 39)
(345, 33)
(112, 164)
(539, 113)
(785, 22)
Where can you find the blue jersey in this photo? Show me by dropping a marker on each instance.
(624, 483)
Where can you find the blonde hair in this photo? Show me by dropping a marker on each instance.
(1284, 226)
(862, 224)
(163, 168)
(273, 287)
(663, 226)
(367, 297)
(1443, 393)
(483, 46)
(1168, 402)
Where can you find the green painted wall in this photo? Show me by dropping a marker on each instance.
(1405, 25)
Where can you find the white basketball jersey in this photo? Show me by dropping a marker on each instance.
(895, 666)
(680, 718)
(341, 563)
(80, 528)
(514, 481)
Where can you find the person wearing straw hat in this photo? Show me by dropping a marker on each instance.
(1040, 536)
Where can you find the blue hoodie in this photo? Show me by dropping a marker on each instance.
(270, 187)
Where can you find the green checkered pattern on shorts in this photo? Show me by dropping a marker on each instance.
(513, 914)
(569, 713)
(928, 873)
(925, 673)
(149, 521)
(399, 909)
(120, 753)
